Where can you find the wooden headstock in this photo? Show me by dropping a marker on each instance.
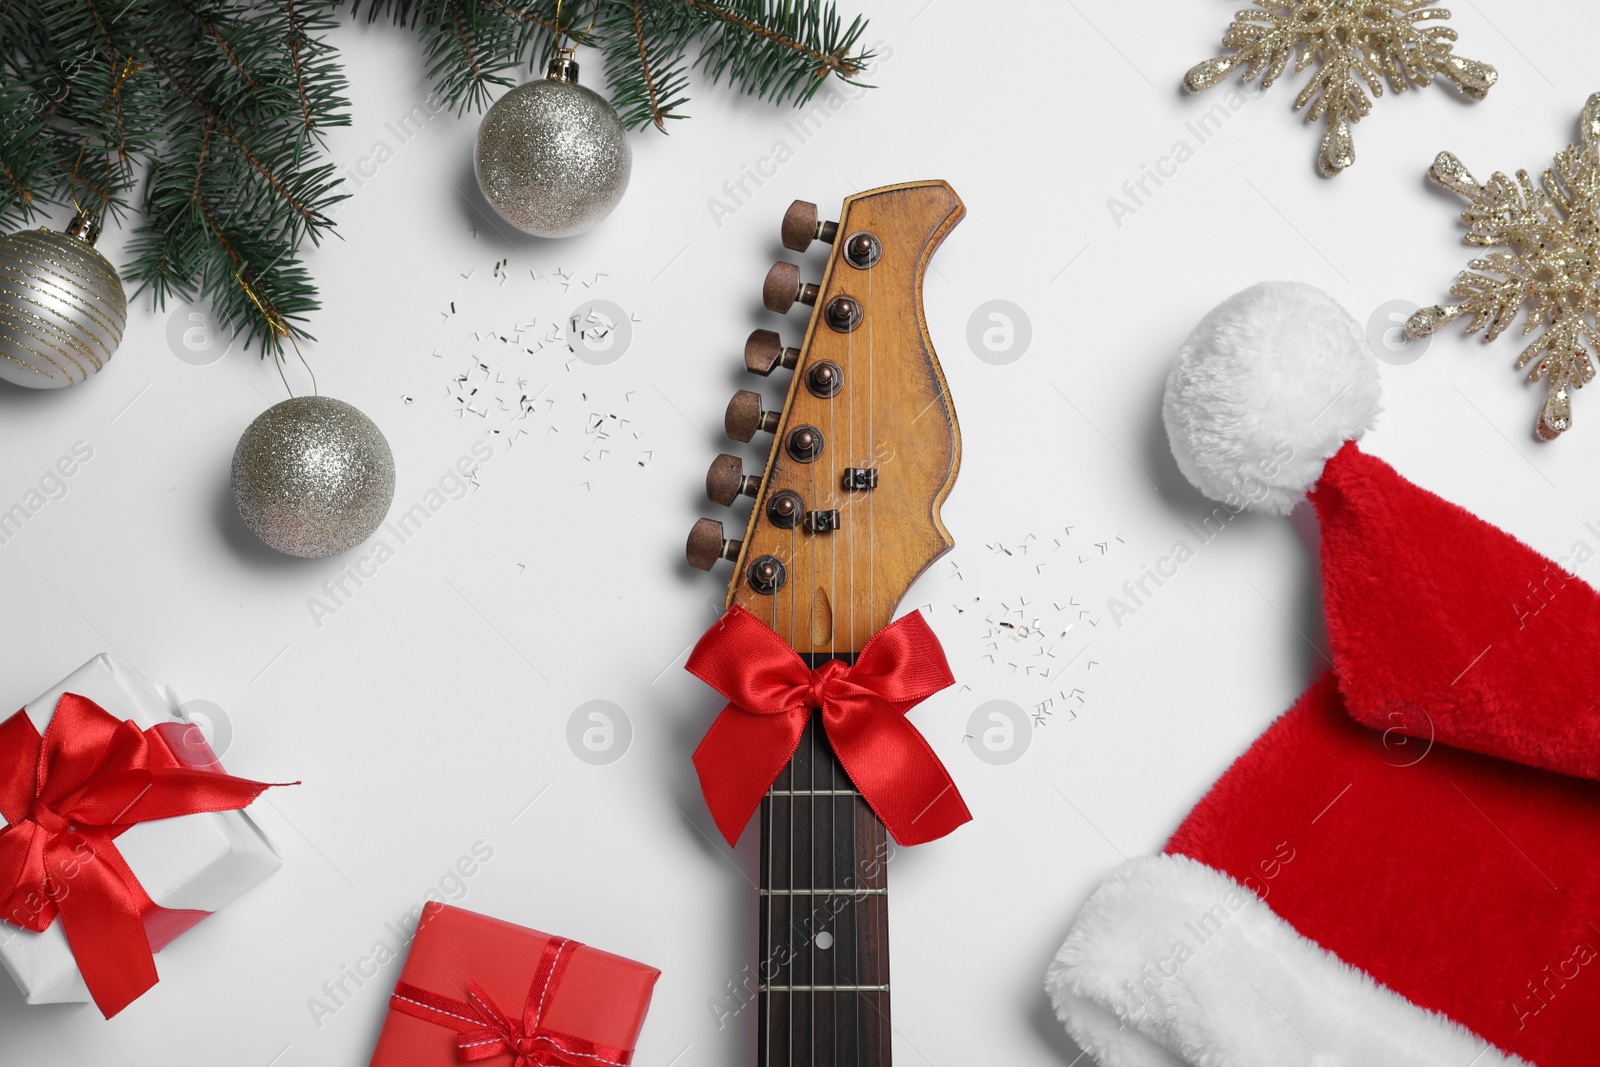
(866, 448)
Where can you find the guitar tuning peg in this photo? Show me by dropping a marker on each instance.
(707, 545)
(764, 353)
(783, 287)
(745, 416)
(726, 481)
(800, 226)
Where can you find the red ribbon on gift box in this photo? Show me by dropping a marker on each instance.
(771, 692)
(486, 1032)
(67, 796)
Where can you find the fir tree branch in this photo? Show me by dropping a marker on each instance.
(105, 34)
(129, 69)
(527, 16)
(827, 62)
(645, 46)
(221, 136)
(310, 217)
(200, 163)
(23, 193)
(295, 33)
(656, 114)
(211, 31)
(276, 325)
(466, 44)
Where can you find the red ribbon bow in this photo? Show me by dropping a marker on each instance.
(770, 695)
(484, 1031)
(66, 796)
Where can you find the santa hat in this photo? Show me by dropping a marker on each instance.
(1405, 868)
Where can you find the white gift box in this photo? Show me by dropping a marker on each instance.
(192, 862)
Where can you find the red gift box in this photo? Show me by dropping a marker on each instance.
(478, 989)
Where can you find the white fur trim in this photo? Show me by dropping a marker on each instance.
(1268, 386)
(1171, 963)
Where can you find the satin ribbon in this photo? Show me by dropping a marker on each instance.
(771, 692)
(66, 797)
(484, 1031)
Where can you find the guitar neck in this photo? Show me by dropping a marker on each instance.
(845, 516)
(824, 995)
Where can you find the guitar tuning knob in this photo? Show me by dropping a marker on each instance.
(764, 353)
(800, 226)
(726, 481)
(707, 545)
(783, 287)
(745, 416)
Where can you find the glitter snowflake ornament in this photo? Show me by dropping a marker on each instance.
(1552, 264)
(1356, 46)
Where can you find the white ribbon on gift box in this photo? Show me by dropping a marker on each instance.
(193, 862)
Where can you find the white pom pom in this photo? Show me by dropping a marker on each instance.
(1270, 385)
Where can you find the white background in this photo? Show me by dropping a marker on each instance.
(428, 711)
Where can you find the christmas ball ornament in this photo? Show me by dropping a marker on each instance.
(1273, 381)
(62, 306)
(313, 477)
(552, 156)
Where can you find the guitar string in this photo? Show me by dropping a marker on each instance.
(879, 901)
(843, 500)
(832, 499)
(766, 963)
(769, 965)
(811, 857)
(862, 462)
(788, 903)
(819, 503)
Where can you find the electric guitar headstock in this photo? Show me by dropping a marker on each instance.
(845, 516)
(866, 446)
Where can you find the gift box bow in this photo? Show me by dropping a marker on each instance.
(484, 1031)
(66, 796)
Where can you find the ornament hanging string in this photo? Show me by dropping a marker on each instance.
(554, 26)
(275, 324)
(571, 50)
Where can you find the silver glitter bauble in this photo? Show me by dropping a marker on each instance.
(62, 307)
(313, 477)
(553, 157)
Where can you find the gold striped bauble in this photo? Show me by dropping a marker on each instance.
(62, 307)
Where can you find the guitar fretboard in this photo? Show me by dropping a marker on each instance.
(824, 974)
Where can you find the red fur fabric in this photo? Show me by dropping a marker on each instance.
(1444, 626)
(1466, 881)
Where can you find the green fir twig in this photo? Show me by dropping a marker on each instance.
(202, 120)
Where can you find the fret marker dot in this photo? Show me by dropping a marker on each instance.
(824, 940)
